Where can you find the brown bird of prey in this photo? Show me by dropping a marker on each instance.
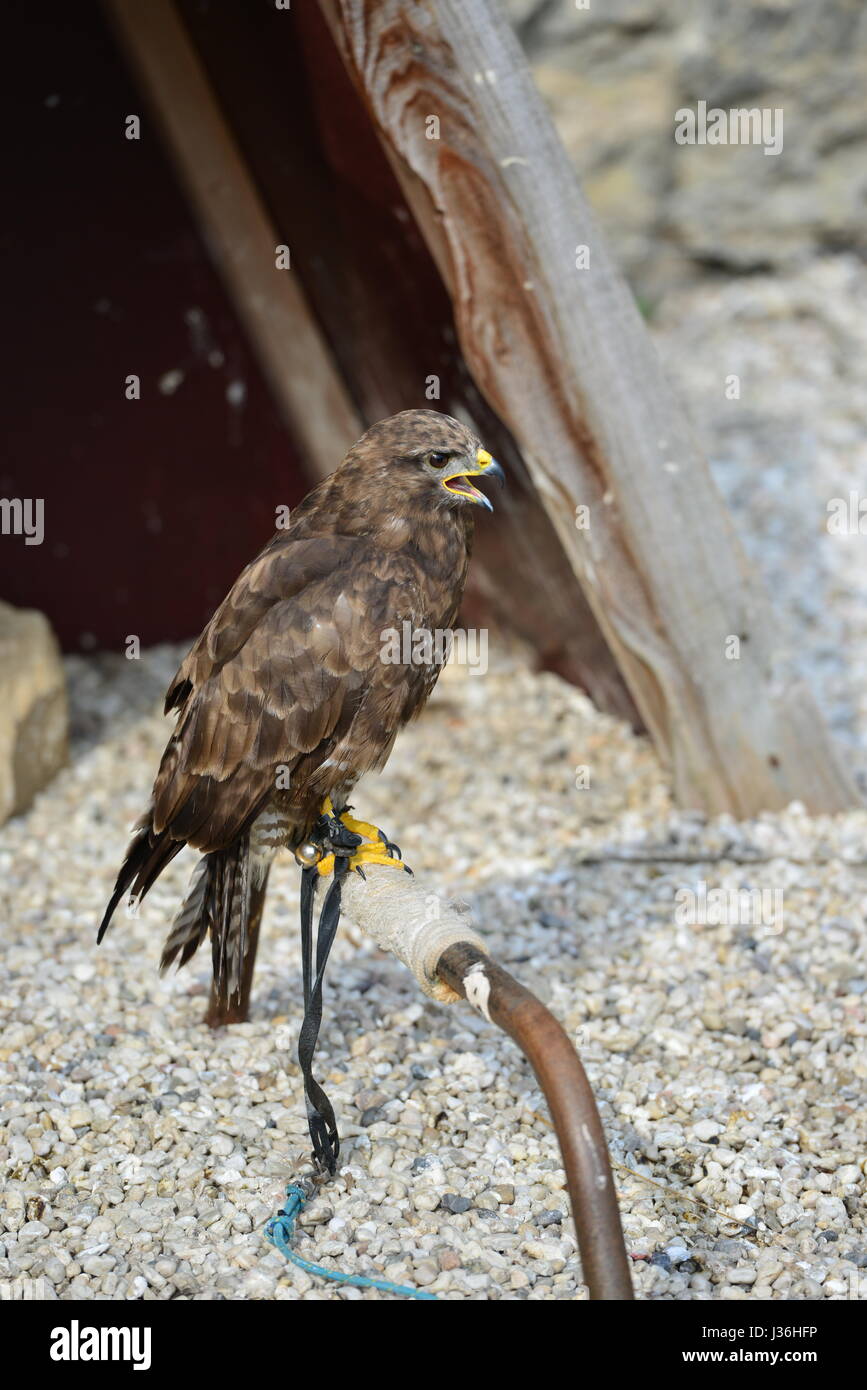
(286, 699)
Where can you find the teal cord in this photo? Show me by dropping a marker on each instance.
(281, 1228)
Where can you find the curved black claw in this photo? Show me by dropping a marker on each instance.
(393, 849)
(394, 852)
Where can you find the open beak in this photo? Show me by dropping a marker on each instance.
(459, 483)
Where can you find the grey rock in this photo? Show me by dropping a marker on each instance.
(34, 716)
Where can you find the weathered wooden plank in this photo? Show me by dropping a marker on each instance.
(239, 233)
(564, 358)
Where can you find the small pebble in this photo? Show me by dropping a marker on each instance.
(451, 1201)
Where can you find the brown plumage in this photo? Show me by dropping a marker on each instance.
(285, 698)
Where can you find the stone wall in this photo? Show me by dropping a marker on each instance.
(615, 74)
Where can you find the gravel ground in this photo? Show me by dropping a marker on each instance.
(143, 1154)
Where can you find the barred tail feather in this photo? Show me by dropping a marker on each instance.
(225, 898)
(190, 926)
(148, 854)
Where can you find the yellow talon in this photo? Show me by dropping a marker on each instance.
(374, 854)
(361, 827)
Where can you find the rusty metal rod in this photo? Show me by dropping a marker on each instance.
(547, 1046)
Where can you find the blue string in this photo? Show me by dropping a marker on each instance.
(280, 1230)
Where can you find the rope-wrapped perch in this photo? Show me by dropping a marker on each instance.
(450, 961)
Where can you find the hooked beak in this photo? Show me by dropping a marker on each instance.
(458, 482)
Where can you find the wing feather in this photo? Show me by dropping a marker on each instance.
(288, 673)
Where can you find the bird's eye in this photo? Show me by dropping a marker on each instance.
(438, 460)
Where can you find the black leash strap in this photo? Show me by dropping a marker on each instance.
(320, 1115)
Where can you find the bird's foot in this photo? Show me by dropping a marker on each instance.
(356, 842)
(369, 832)
(379, 852)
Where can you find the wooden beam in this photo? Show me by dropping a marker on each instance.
(564, 358)
(238, 232)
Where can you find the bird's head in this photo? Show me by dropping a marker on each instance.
(426, 458)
